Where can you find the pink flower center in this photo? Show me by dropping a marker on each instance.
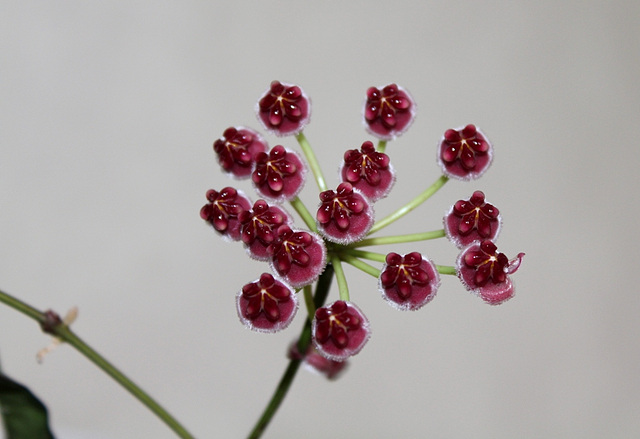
(339, 205)
(222, 207)
(232, 148)
(489, 265)
(264, 296)
(289, 248)
(464, 145)
(476, 214)
(260, 223)
(384, 104)
(403, 273)
(334, 324)
(365, 164)
(273, 168)
(282, 102)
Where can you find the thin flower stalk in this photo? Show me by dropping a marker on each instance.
(417, 201)
(397, 239)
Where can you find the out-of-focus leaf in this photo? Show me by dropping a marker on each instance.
(25, 417)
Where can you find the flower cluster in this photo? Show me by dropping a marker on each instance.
(344, 222)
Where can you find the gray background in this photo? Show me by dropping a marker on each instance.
(107, 117)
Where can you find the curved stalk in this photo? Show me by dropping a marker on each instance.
(322, 290)
(64, 333)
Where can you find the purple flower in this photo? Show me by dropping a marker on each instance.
(284, 109)
(344, 215)
(472, 220)
(266, 305)
(237, 150)
(279, 175)
(223, 210)
(388, 111)
(340, 330)
(485, 272)
(368, 171)
(408, 282)
(464, 153)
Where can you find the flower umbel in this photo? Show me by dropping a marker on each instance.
(344, 224)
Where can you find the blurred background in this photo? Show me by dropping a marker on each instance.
(107, 118)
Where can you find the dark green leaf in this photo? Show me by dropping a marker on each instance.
(25, 417)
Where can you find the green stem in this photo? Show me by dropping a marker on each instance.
(372, 256)
(311, 160)
(447, 269)
(302, 210)
(67, 335)
(19, 305)
(382, 145)
(424, 196)
(397, 239)
(322, 290)
(308, 301)
(361, 265)
(64, 333)
(343, 287)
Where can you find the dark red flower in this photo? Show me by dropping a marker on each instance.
(472, 220)
(223, 210)
(259, 226)
(408, 282)
(237, 150)
(315, 362)
(485, 272)
(298, 256)
(279, 175)
(266, 305)
(340, 330)
(388, 111)
(368, 171)
(284, 109)
(464, 153)
(344, 215)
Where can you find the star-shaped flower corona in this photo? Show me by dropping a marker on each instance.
(298, 256)
(223, 210)
(284, 109)
(464, 153)
(485, 272)
(408, 282)
(472, 220)
(259, 227)
(340, 330)
(344, 215)
(368, 171)
(388, 111)
(237, 150)
(266, 305)
(279, 175)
